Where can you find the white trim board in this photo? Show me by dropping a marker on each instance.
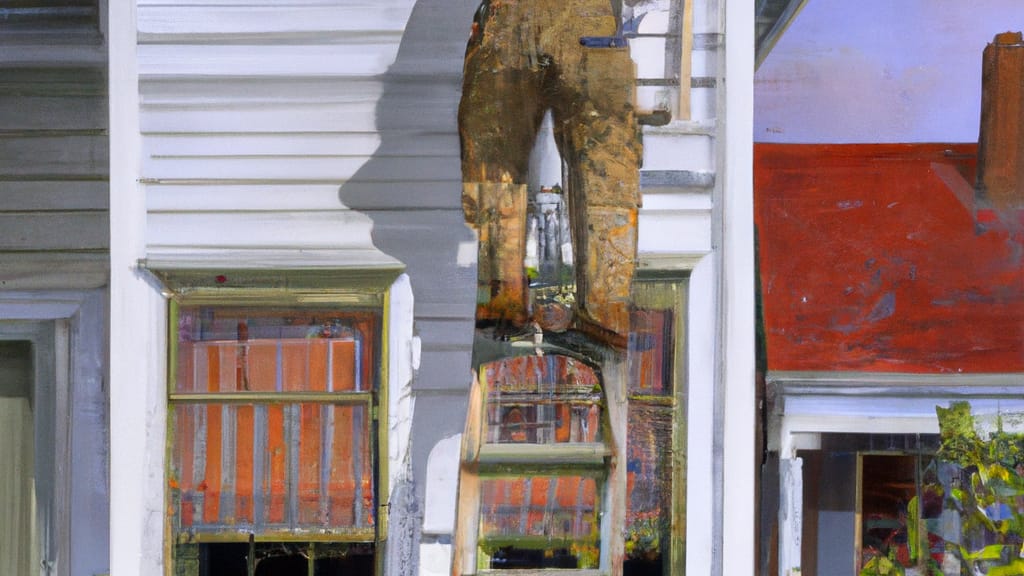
(862, 402)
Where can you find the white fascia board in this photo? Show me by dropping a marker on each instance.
(881, 403)
(887, 385)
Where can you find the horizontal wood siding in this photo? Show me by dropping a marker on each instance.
(68, 155)
(304, 112)
(37, 231)
(274, 130)
(54, 160)
(325, 106)
(49, 112)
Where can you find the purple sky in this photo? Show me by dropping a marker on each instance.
(879, 71)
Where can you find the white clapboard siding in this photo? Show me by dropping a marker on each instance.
(228, 60)
(253, 197)
(235, 230)
(310, 168)
(288, 91)
(298, 117)
(305, 21)
(292, 144)
(179, 196)
(262, 129)
(665, 150)
(249, 119)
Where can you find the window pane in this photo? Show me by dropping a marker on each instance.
(255, 350)
(651, 347)
(539, 522)
(18, 535)
(227, 559)
(655, 445)
(648, 485)
(287, 467)
(893, 489)
(542, 400)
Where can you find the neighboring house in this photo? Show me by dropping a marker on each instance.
(236, 289)
(54, 270)
(888, 289)
(891, 279)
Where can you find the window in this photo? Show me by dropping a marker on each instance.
(274, 438)
(867, 501)
(899, 511)
(542, 485)
(535, 499)
(656, 430)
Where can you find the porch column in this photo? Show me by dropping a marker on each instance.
(791, 511)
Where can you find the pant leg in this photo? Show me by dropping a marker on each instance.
(601, 142)
(502, 102)
(499, 116)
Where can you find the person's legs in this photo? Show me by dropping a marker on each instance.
(499, 115)
(601, 142)
(524, 58)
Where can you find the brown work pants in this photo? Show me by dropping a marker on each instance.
(524, 59)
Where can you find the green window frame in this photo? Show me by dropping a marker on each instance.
(290, 384)
(638, 481)
(656, 416)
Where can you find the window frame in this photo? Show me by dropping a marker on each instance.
(678, 281)
(604, 460)
(369, 293)
(483, 460)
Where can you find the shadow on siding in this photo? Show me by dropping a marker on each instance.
(411, 189)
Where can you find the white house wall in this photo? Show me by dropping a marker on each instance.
(254, 115)
(323, 132)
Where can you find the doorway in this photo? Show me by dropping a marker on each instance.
(33, 422)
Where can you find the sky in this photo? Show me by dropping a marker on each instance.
(879, 71)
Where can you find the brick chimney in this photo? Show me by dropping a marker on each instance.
(1001, 139)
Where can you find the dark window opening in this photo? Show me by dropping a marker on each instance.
(283, 559)
(512, 558)
(653, 566)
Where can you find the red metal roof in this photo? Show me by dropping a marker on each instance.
(872, 261)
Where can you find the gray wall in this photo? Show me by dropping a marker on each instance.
(54, 238)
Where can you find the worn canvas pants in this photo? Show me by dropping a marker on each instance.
(525, 58)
